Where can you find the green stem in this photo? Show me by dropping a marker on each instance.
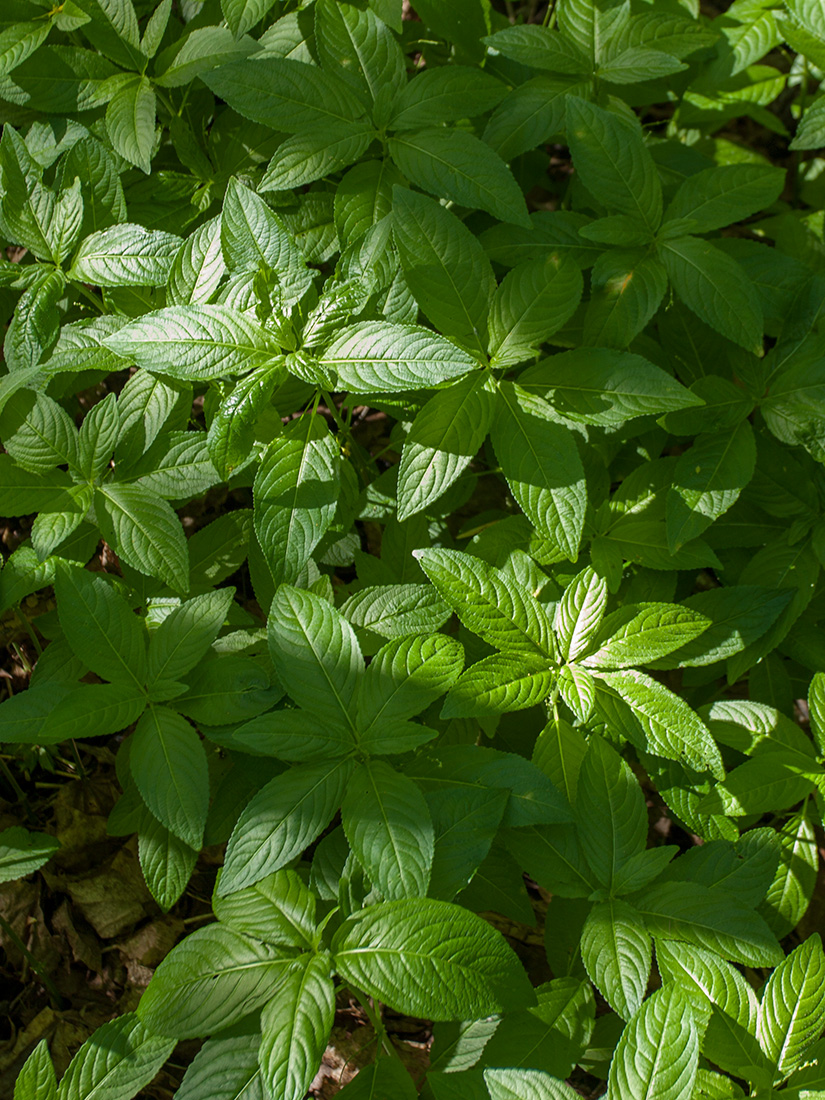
(33, 963)
(15, 786)
(38, 648)
(378, 1026)
(90, 296)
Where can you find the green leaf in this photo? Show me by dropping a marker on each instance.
(541, 463)
(458, 166)
(488, 602)
(525, 1084)
(226, 1068)
(646, 636)
(792, 1012)
(212, 979)
(444, 94)
(770, 780)
(532, 114)
(613, 161)
(359, 48)
(116, 1062)
(579, 612)
(295, 1027)
(617, 952)
(716, 288)
(22, 853)
(145, 532)
(130, 122)
(718, 196)
(707, 481)
(626, 288)
(303, 158)
(281, 820)
(658, 1052)
(791, 891)
(602, 386)
(186, 634)
(445, 267)
(295, 495)
(100, 626)
(637, 64)
(540, 48)
(711, 918)
(671, 728)
(94, 710)
(168, 763)
(534, 300)
(242, 15)
(379, 357)
(166, 861)
(198, 267)
(500, 683)
(444, 438)
(125, 255)
(610, 811)
(254, 237)
(19, 42)
(403, 678)
(194, 342)
(284, 94)
(279, 909)
(389, 830)
(36, 1080)
(431, 959)
(396, 610)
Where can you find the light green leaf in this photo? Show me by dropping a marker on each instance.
(198, 267)
(403, 678)
(231, 436)
(653, 632)
(212, 979)
(22, 853)
(525, 1084)
(617, 953)
(194, 342)
(130, 122)
(396, 610)
(145, 532)
(579, 612)
(541, 463)
(125, 255)
(36, 1080)
(279, 909)
(116, 1062)
(185, 635)
(488, 602)
(376, 357)
(430, 958)
(389, 830)
(658, 1053)
(792, 1012)
(610, 811)
(295, 1027)
(498, 684)
(227, 1069)
(444, 438)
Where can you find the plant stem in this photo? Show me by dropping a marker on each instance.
(33, 963)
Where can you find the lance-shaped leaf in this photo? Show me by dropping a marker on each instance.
(232, 431)
(94, 710)
(22, 852)
(603, 386)
(617, 952)
(541, 463)
(125, 255)
(498, 684)
(233, 1062)
(281, 820)
(100, 626)
(279, 909)
(432, 959)
(295, 1027)
(118, 1060)
(166, 861)
(389, 829)
(445, 267)
(610, 810)
(186, 634)
(194, 342)
(295, 495)
(654, 632)
(533, 301)
(168, 763)
(658, 1053)
(525, 1084)
(489, 602)
(404, 677)
(130, 122)
(316, 654)
(379, 357)
(579, 612)
(144, 531)
(211, 979)
(613, 161)
(444, 438)
(718, 196)
(459, 166)
(792, 1012)
(36, 1080)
